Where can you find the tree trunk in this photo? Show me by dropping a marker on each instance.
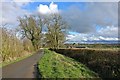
(34, 44)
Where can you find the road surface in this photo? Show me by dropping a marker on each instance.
(25, 68)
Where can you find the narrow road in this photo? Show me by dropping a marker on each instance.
(25, 68)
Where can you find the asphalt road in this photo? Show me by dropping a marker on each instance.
(25, 68)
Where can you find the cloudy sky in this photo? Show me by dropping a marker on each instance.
(87, 21)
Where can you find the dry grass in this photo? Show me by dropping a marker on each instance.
(12, 47)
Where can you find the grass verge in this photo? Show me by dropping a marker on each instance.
(53, 65)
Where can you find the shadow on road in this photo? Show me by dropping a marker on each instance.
(36, 73)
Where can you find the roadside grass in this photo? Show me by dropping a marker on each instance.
(53, 65)
(3, 64)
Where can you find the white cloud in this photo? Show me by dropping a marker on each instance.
(53, 7)
(44, 9)
(77, 37)
(107, 38)
(89, 37)
(109, 31)
(11, 11)
(85, 19)
(21, 2)
(69, 37)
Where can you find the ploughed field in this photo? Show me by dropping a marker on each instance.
(105, 62)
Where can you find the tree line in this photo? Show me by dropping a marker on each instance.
(32, 26)
(32, 38)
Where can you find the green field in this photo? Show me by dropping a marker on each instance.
(53, 65)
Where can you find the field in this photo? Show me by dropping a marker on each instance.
(54, 65)
(105, 62)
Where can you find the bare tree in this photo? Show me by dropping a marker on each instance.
(56, 26)
(32, 28)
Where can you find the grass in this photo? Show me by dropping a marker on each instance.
(53, 65)
(3, 64)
